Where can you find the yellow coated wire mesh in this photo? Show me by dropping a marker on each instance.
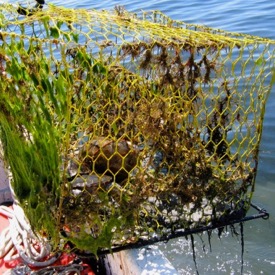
(120, 127)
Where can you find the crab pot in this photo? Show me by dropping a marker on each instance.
(120, 128)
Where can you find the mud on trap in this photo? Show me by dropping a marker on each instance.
(121, 127)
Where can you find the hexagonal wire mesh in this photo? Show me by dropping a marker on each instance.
(121, 127)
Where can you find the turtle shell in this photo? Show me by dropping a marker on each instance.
(106, 156)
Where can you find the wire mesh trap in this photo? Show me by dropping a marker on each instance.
(120, 127)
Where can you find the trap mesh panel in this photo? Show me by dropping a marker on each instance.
(121, 127)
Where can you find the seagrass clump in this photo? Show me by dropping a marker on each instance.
(120, 127)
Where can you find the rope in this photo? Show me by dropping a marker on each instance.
(50, 270)
(19, 241)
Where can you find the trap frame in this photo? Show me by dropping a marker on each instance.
(120, 128)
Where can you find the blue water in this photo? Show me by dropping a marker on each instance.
(256, 18)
